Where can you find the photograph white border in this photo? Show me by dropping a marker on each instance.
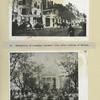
(82, 70)
(48, 38)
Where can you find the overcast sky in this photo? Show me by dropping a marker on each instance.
(51, 59)
(81, 5)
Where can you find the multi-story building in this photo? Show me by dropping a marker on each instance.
(36, 11)
(47, 4)
(79, 17)
(26, 10)
(51, 18)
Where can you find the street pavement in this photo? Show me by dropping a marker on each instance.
(47, 32)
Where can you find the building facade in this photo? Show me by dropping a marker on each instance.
(55, 80)
(26, 10)
(51, 18)
(36, 11)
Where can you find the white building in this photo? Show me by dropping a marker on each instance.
(54, 77)
(51, 18)
(27, 10)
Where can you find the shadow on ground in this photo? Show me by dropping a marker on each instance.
(47, 32)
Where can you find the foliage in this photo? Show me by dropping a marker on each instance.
(24, 73)
(64, 11)
(71, 66)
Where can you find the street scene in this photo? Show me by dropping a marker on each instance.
(44, 76)
(47, 18)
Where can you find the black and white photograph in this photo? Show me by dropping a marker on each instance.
(67, 18)
(44, 76)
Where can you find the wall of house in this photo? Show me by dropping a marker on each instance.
(51, 20)
(26, 10)
(59, 81)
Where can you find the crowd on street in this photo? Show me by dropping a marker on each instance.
(39, 94)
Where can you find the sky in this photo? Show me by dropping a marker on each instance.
(81, 5)
(50, 59)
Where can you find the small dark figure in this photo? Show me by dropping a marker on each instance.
(39, 26)
(66, 97)
(14, 27)
(84, 29)
(83, 32)
(23, 26)
(76, 98)
(71, 31)
(38, 98)
(28, 25)
(64, 25)
(50, 97)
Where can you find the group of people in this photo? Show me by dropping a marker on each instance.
(26, 25)
(71, 30)
(38, 94)
(23, 26)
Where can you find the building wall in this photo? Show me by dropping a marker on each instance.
(26, 10)
(31, 10)
(45, 4)
(59, 81)
(51, 18)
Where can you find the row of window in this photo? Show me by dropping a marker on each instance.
(26, 11)
(28, 2)
(48, 21)
(24, 2)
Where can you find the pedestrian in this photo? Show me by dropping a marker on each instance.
(14, 27)
(28, 25)
(83, 32)
(71, 31)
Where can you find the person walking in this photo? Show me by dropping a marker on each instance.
(71, 31)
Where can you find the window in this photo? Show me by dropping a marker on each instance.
(47, 21)
(30, 2)
(38, 7)
(24, 11)
(59, 20)
(35, 4)
(53, 20)
(22, 2)
(44, 4)
(40, 14)
(35, 12)
(54, 82)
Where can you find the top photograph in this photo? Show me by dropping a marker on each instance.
(66, 18)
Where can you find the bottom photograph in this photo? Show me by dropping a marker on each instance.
(44, 76)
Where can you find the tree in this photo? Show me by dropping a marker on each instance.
(70, 63)
(64, 12)
(15, 59)
(24, 73)
(74, 76)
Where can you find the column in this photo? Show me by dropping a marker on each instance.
(51, 22)
(44, 20)
(57, 82)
